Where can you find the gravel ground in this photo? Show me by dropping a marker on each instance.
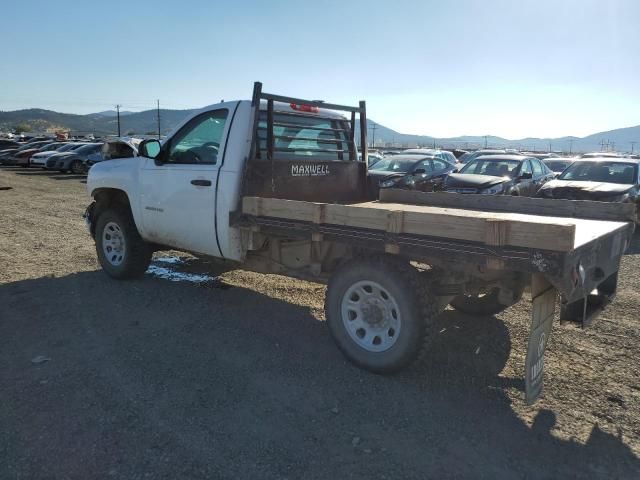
(238, 377)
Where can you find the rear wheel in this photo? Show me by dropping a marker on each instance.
(122, 253)
(380, 313)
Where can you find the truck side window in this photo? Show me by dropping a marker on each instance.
(199, 140)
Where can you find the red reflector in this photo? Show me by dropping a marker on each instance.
(304, 108)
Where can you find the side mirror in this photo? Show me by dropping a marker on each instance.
(526, 176)
(455, 170)
(149, 148)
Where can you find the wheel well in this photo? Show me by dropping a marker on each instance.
(106, 198)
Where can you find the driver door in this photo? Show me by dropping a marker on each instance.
(178, 189)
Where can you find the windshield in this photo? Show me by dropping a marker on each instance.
(68, 146)
(31, 145)
(557, 165)
(609, 172)
(88, 148)
(392, 165)
(489, 166)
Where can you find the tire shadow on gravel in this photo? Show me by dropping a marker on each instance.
(179, 381)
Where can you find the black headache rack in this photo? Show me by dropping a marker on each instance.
(299, 154)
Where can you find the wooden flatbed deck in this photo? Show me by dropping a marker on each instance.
(499, 228)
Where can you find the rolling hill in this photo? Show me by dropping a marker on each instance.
(105, 123)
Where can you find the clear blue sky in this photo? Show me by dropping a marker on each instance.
(510, 68)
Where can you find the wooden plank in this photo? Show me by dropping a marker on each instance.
(507, 203)
(496, 232)
(395, 221)
(528, 231)
(276, 207)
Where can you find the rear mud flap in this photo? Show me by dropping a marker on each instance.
(543, 300)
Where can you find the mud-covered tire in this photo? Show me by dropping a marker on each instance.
(416, 304)
(136, 253)
(480, 305)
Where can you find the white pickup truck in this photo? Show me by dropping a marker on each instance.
(275, 184)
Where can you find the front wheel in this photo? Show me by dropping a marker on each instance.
(380, 313)
(122, 253)
(76, 167)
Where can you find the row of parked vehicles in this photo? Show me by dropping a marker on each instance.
(65, 156)
(593, 176)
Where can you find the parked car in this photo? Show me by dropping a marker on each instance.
(539, 155)
(72, 160)
(112, 149)
(11, 158)
(500, 175)
(443, 154)
(23, 159)
(40, 159)
(467, 157)
(4, 144)
(558, 164)
(600, 155)
(414, 172)
(459, 152)
(373, 158)
(603, 179)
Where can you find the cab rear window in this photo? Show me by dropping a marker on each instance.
(305, 137)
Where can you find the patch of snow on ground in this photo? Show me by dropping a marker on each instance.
(172, 275)
(173, 260)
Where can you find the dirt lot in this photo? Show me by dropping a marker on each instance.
(238, 378)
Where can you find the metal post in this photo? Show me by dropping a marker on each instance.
(363, 131)
(353, 149)
(255, 103)
(118, 114)
(158, 114)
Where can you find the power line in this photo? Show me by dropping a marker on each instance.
(158, 112)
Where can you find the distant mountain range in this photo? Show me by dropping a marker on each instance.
(105, 123)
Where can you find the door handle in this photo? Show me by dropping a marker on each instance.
(201, 183)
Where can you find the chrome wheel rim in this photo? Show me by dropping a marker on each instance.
(113, 244)
(371, 316)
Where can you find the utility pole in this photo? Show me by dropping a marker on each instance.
(373, 127)
(549, 146)
(633, 144)
(158, 114)
(118, 113)
(434, 143)
(570, 145)
(485, 140)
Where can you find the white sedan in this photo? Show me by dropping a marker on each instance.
(40, 159)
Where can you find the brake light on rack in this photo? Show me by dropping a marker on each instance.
(304, 108)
